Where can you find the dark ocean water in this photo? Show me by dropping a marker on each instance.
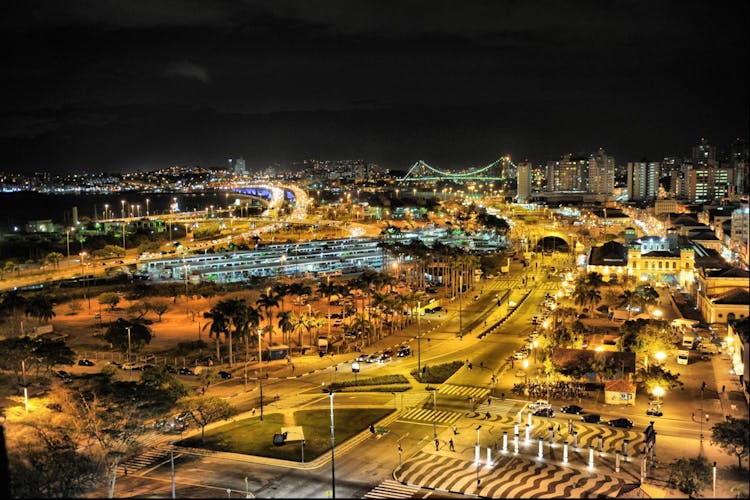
(16, 209)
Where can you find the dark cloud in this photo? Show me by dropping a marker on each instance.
(392, 81)
(187, 69)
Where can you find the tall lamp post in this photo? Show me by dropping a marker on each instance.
(128, 329)
(460, 306)
(333, 447)
(419, 344)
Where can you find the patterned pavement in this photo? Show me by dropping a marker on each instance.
(510, 476)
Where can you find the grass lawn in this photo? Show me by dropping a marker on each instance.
(253, 437)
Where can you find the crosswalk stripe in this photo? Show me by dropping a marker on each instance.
(430, 415)
(392, 489)
(463, 390)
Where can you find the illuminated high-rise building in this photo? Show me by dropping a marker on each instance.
(643, 180)
(523, 183)
(601, 173)
(570, 173)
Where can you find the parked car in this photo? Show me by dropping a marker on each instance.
(574, 409)
(170, 369)
(362, 358)
(225, 375)
(622, 423)
(131, 366)
(65, 376)
(85, 362)
(544, 412)
(592, 418)
(186, 371)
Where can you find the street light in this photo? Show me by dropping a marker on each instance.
(419, 344)
(658, 393)
(128, 329)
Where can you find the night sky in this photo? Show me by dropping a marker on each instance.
(102, 85)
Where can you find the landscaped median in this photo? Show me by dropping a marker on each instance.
(251, 436)
(385, 383)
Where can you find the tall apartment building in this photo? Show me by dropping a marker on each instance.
(703, 153)
(570, 173)
(237, 166)
(738, 161)
(643, 180)
(601, 173)
(740, 234)
(523, 182)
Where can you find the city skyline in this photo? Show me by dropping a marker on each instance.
(140, 86)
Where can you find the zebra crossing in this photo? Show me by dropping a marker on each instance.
(510, 476)
(147, 458)
(465, 391)
(443, 417)
(392, 489)
(152, 452)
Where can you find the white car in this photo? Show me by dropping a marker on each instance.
(539, 404)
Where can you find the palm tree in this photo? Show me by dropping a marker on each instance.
(54, 258)
(300, 324)
(281, 290)
(268, 302)
(40, 307)
(299, 289)
(287, 321)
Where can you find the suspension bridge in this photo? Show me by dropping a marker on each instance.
(499, 170)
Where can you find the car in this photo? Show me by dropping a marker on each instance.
(592, 418)
(574, 409)
(373, 358)
(362, 358)
(388, 353)
(544, 412)
(186, 371)
(404, 351)
(131, 366)
(521, 354)
(170, 369)
(65, 376)
(85, 362)
(539, 404)
(622, 423)
(654, 411)
(225, 375)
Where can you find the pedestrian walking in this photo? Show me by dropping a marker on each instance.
(450, 443)
(469, 366)
(292, 367)
(125, 468)
(558, 428)
(723, 388)
(455, 430)
(437, 445)
(692, 417)
(502, 396)
(253, 412)
(489, 400)
(487, 416)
